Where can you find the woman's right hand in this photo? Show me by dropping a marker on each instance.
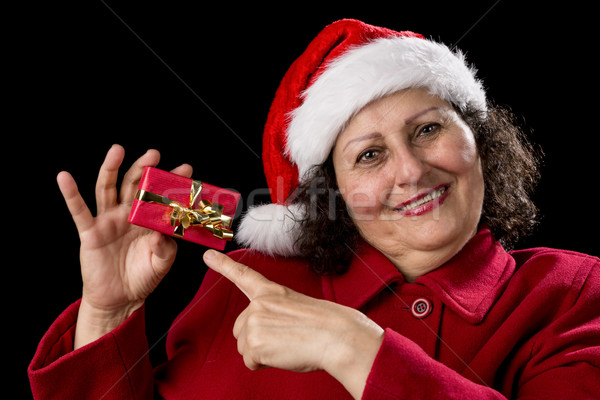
(121, 264)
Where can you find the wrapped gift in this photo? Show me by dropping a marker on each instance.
(185, 208)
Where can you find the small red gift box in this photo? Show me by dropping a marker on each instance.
(183, 207)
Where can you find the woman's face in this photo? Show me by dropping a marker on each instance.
(408, 169)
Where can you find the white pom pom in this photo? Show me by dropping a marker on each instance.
(270, 228)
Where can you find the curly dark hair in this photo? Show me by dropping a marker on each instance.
(510, 166)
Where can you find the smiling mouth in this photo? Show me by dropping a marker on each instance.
(424, 198)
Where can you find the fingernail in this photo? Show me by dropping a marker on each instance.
(209, 255)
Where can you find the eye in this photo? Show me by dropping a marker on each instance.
(366, 156)
(427, 131)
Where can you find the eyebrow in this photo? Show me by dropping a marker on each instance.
(377, 134)
(361, 138)
(417, 115)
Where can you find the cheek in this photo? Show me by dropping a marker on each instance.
(457, 155)
(364, 194)
(468, 163)
(468, 155)
(464, 162)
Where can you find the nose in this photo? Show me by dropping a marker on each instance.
(409, 166)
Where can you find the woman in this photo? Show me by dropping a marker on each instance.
(378, 270)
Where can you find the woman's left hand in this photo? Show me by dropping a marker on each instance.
(285, 329)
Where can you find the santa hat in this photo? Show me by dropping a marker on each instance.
(348, 65)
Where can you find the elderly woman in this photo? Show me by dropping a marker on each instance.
(381, 270)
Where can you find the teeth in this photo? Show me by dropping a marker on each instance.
(431, 196)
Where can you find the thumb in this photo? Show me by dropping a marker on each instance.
(163, 251)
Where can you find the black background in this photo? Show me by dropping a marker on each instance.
(195, 81)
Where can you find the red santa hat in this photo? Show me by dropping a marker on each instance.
(348, 65)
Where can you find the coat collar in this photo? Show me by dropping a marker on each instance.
(469, 283)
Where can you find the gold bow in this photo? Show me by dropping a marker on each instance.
(210, 216)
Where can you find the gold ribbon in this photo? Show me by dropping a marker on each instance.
(210, 216)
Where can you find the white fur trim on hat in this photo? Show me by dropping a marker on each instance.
(270, 228)
(369, 72)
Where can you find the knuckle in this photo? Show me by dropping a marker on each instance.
(241, 269)
(239, 272)
(254, 343)
(251, 363)
(260, 307)
(277, 290)
(255, 319)
(240, 347)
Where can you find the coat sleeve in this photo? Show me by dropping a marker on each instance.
(116, 366)
(564, 364)
(402, 370)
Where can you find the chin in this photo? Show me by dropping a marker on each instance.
(432, 234)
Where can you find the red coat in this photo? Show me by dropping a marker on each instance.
(486, 325)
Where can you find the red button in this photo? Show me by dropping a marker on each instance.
(421, 308)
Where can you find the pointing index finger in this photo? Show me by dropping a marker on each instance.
(250, 282)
